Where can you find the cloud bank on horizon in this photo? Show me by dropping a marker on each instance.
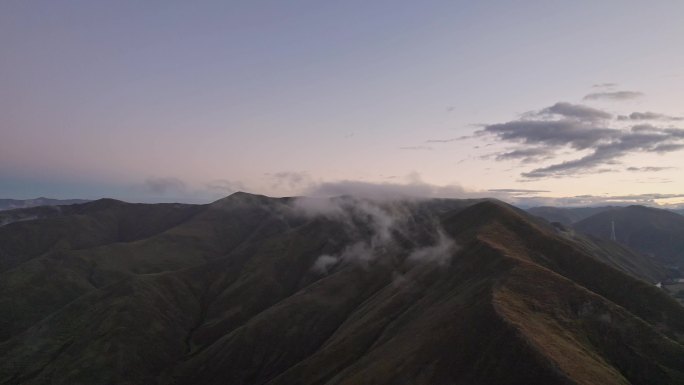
(414, 188)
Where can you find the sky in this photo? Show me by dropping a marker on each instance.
(534, 102)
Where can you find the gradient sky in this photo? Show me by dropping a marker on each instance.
(179, 100)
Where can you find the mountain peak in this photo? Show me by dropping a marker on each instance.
(484, 213)
(103, 203)
(241, 198)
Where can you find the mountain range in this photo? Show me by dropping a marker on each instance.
(566, 215)
(654, 232)
(9, 204)
(257, 290)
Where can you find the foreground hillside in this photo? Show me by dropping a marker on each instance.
(255, 290)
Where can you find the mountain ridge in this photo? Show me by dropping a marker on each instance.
(232, 293)
(8, 204)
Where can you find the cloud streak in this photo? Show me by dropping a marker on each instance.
(449, 140)
(613, 95)
(576, 111)
(649, 116)
(417, 148)
(649, 169)
(526, 155)
(605, 85)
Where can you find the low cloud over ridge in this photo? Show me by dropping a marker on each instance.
(318, 203)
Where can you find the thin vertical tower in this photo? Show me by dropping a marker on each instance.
(612, 230)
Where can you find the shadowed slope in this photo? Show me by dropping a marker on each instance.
(87, 225)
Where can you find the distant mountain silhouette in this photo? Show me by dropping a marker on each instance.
(13, 210)
(566, 215)
(9, 204)
(655, 232)
(258, 290)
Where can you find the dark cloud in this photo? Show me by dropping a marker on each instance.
(608, 154)
(576, 111)
(163, 186)
(571, 167)
(526, 155)
(580, 128)
(644, 128)
(614, 95)
(675, 132)
(648, 116)
(577, 134)
(669, 147)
